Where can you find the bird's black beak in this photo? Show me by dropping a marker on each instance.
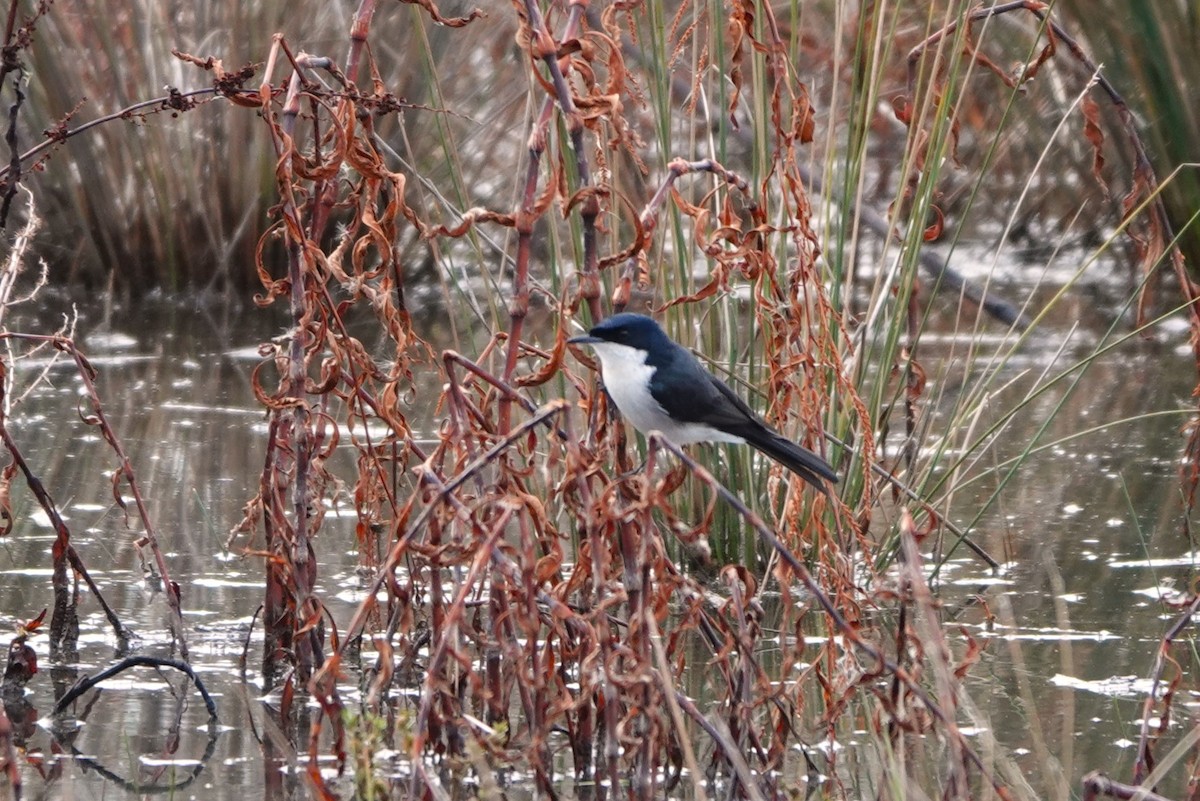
(584, 339)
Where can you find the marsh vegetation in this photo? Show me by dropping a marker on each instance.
(407, 539)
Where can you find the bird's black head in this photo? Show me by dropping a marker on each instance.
(632, 330)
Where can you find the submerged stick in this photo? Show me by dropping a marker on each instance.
(1097, 784)
(88, 682)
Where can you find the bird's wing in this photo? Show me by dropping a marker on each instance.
(741, 420)
(702, 400)
(709, 401)
(736, 412)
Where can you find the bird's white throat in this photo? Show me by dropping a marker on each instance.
(627, 379)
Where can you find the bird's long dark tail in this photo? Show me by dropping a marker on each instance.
(798, 459)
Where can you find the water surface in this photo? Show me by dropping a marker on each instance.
(1089, 532)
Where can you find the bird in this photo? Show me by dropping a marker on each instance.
(658, 385)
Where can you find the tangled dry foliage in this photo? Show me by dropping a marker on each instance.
(532, 582)
(525, 568)
(525, 588)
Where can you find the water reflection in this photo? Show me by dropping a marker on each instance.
(1087, 526)
(1087, 529)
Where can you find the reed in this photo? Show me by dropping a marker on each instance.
(135, 201)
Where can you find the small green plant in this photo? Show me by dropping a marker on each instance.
(366, 735)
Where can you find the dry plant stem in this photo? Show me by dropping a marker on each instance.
(443, 493)
(294, 385)
(534, 702)
(542, 46)
(10, 27)
(11, 62)
(296, 575)
(359, 29)
(497, 598)
(11, 271)
(509, 570)
(590, 534)
(933, 646)
(556, 611)
(448, 633)
(493, 671)
(125, 471)
(14, 160)
(324, 190)
(451, 358)
(721, 739)
(589, 210)
(848, 631)
(87, 374)
(589, 276)
(62, 549)
(667, 687)
(637, 589)
(739, 724)
(648, 219)
(736, 683)
(56, 137)
(1145, 761)
(14, 265)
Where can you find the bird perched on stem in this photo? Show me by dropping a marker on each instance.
(660, 386)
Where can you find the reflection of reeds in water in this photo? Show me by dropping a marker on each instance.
(185, 419)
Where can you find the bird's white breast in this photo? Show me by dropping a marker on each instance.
(627, 379)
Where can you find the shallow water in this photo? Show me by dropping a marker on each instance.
(1089, 532)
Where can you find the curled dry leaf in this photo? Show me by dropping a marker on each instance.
(6, 513)
(1095, 136)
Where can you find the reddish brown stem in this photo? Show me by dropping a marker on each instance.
(1145, 761)
(542, 46)
(359, 29)
(63, 551)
